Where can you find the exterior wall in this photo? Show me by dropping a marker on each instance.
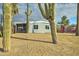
(31, 28)
(47, 30)
(41, 27)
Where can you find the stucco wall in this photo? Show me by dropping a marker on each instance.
(41, 28)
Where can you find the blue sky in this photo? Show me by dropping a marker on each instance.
(68, 10)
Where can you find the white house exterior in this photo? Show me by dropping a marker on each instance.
(35, 26)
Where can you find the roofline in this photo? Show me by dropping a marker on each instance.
(32, 22)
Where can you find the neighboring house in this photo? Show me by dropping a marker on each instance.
(34, 27)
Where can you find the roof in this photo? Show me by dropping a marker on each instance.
(31, 22)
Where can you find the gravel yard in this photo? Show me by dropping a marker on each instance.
(41, 45)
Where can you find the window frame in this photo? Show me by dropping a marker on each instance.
(47, 27)
(35, 26)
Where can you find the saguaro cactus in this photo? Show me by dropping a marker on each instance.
(77, 26)
(6, 26)
(1, 25)
(14, 12)
(28, 13)
(47, 12)
(14, 9)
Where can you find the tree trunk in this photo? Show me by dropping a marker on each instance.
(77, 26)
(6, 27)
(53, 31)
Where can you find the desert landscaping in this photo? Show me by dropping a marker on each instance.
(41, 45)
(28, 29)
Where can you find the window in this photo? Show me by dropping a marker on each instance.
(47, 27)
(35, 26)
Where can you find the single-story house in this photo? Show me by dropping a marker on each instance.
(34, 27)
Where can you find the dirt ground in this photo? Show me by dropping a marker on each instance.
(41, 45)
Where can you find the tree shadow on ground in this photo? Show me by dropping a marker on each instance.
(1, 50)
(31, 40)
(69, 34)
